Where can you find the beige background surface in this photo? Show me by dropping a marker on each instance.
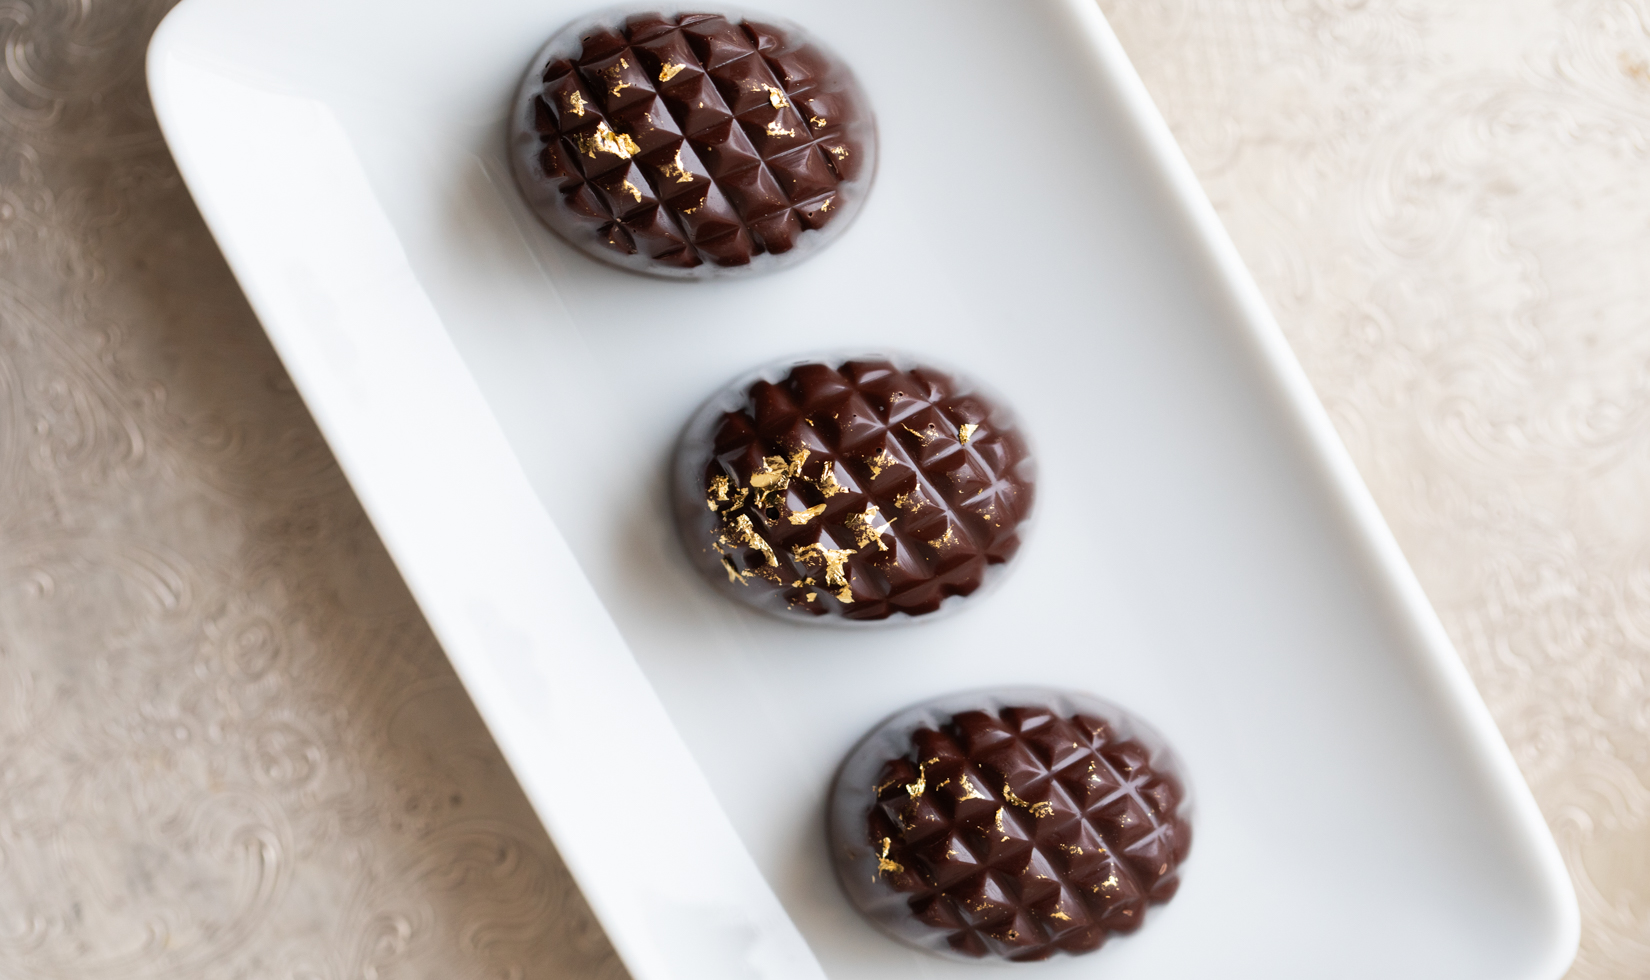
(229, 746)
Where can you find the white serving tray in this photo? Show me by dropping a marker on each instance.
(1205, 552)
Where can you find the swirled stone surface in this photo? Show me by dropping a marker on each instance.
(1448, 222)
(856, 489)
(691, 144)
(1020, 825)
(229, 745)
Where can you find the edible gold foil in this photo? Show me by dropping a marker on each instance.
(606, 140)
(866, 532)
(834, 559)
(717, 492)
(827, 481)
(881, 461)
(884, 863)
(1042, 810)
(667, 71)
(800, 517)
(966, 431)
(918, 786)
(676, 170)
(746, 534)
(972, 792)
(734, 574)
(612, 73)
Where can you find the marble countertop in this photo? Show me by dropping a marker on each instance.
(229, 746)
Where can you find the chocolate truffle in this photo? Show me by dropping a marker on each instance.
(1018, 824)
(691, 145)
(852, 489)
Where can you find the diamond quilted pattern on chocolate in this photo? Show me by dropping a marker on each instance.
(855, 490)
(1018, 829)
(691, 144)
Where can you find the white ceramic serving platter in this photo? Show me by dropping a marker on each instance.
(1205, 553)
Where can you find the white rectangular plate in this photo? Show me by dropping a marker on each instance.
(1205, 554)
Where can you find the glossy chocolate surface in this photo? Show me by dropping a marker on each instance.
(683, 144)
(1016, 830)
(856, 490)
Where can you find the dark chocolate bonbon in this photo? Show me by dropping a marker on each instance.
(691, 144)
(853, 489)
(1018, 825)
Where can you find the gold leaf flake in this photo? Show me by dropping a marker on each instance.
(606, 140)
(804, 516)
(920, 785)
(973, 793)
(776, 97)
(575, 103)
(774, 473)
(668, 70)
(840, 152)
(746, 534)
(884, 863)
(966, 431)
(1057, 914)
(775, 128)
(880, 462)
(945, 540)
(927, 435)
(819, 122)
(717, 493)
(612, 72)
(912, 501)
(835, 561)
(675, 169)
(1042, 810)
(734, 574)
(775, 476)
(632, 190)
(866, 532)
(827, 205)
(827, 481)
